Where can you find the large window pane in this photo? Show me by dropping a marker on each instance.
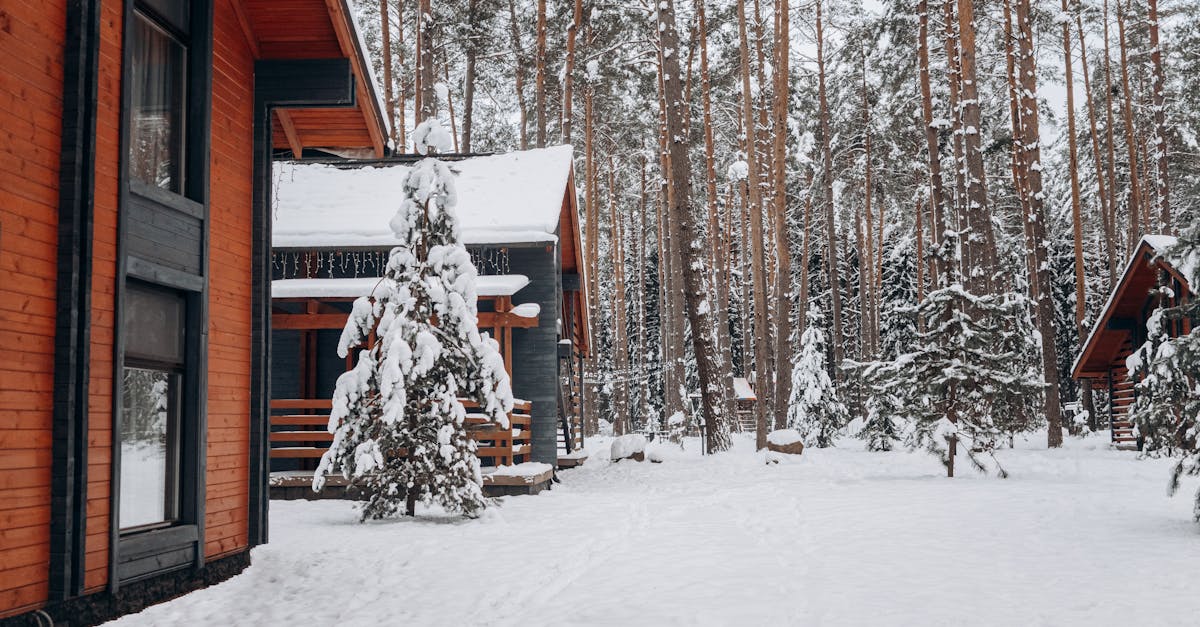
(158, 76)
(149, 447)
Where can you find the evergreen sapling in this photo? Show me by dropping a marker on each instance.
(814, 408)
(398, 425)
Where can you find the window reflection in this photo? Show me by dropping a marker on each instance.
(157, 79)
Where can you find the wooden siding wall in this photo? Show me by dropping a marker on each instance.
(31, 41)
(31, 45)
(230, 287)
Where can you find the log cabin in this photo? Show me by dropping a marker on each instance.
(519, 220)
(135, 169)
(1120, 328)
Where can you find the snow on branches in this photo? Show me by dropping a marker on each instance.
(397, 418)
(814, 409)
(1166, 367)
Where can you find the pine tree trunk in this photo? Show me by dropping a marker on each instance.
(766, 174)
(684, 228)
(1109, 127)
(979, 246)
(715, 233)
(673, 322)
(389, 101)
(450, 107)
(472, 51)
(519, 76)
(643, 261)
(919, 279)
(1103, 186)
(426, 99)
(620, 334)
(591, 239)
(937, 197)
(569, 71)
(783, 277)
(1160, 119)
(866, 261)
(1085, 390)
(832, 257)
(760, 349)
(802, 312)
(746, 278)
(403, 125)
(540, 60)
(1031, 164)
(955, 210)
(1131, 142)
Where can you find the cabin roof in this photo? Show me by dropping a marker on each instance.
(742, 389)
(1126, 302)
(514, 198)
(485, 285)
(318, 29)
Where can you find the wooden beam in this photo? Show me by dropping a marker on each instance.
(504, 319)
(289, 131)
(367, 103)
(239, 9)
(309, 321)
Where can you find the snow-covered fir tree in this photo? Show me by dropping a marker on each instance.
(967, 386)
(814, 408)
(398, 422)
(897, 324)
(1167, 370)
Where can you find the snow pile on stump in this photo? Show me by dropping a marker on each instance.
(632, 446)
(787, 441)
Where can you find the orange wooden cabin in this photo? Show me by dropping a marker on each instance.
(135, 165)
(1120, 329)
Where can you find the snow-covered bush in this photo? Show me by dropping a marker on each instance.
(397, 421)
(1167, 370)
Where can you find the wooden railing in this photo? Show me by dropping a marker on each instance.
(302, 432)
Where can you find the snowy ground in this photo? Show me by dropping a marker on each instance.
(1079, 536)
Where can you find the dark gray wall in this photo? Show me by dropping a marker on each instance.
(535, 351)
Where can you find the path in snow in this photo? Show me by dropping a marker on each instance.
(1082, 535)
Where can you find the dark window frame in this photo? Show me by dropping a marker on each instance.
(142, 553)
(176, 369)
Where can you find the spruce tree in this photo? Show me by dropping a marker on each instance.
(898, 328)
(814, 408)
(968, 380)
(398, 423)
(1167, 370)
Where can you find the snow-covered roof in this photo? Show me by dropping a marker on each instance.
(485, 285)
(502, 199)
(742, 390)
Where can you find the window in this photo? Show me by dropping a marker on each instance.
(158, 75)
(152, 381)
